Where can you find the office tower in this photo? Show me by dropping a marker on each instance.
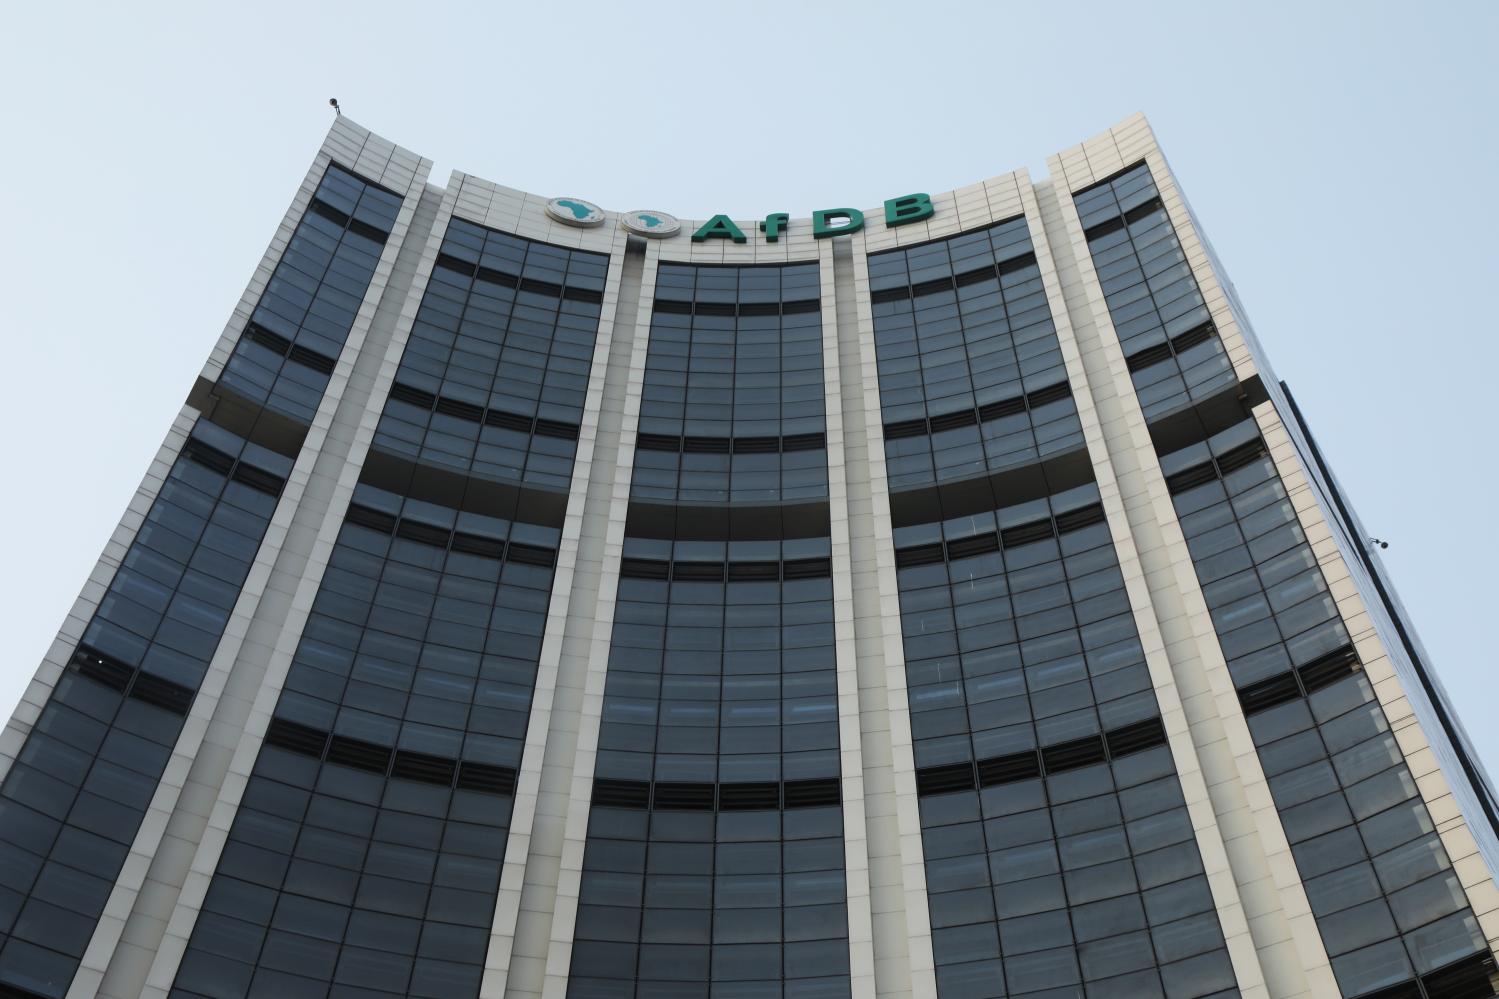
(939, 599)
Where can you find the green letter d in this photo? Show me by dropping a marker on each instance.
(854, 221)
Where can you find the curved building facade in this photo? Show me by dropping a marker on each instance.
(938, 600)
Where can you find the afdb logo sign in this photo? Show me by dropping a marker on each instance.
(575, 211)
(826, 222)
(654, 224)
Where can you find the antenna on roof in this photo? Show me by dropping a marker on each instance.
(333, 103)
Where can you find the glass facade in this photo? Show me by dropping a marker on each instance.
(970, 372)
(1170, 344)
(365, 856)
(1059, 852)
(1392, 914)
(297, 330)
(492, 381)
(1059, 855)
(732, 410)
(1387, 901)
(74, 800)
(738, 818)
(366, 851)
(714, 863)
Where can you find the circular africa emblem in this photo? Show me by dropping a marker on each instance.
(656, 224)
(575, 211)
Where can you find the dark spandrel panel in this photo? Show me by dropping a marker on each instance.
(1382, 889)
(736, 796)
(494, 376)
(1170, 344)
(1059, 852)
(732, 409)
(74, 799)
(373, 828)
(714, 862)
(739, 571)
(297, 330)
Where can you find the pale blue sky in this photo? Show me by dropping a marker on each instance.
(1340, 156)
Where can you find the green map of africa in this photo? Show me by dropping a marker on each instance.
(579, 210)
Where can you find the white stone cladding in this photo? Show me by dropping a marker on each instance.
(1181, 633)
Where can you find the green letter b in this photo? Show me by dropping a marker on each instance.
(911, 208)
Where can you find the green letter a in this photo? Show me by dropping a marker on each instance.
(719, 227)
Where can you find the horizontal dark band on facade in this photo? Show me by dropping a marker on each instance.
(1135, 214)
(731, 445)
(1203, 419)
(362, 179)
(1033, 763)
(1292, 685)
(684, 522)
(1469, 978)
(132, 681)
(1183, 342)
(280, 345)
(345, 221)
(239, 470)
(908, 247)
(672, 306)
(1215, 468)
(246, 419)
(1010, 537)
(400, 764)
(445, 487)
(988, 273)
(733, 572)
(984, 493)
(458, 541)
(479, 414)
(708, 797)
(549, 288)
(1095, 185)
(980, 414)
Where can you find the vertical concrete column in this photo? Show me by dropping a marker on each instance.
(549, 910)
(1279, 918)
(1041, 210)
(158, 930)
(901, 928)
(538, 890)
(156, 890)
(837, 294)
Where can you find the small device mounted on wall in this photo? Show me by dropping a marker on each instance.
(333, 103)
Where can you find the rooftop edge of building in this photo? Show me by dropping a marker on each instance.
(956, 210)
